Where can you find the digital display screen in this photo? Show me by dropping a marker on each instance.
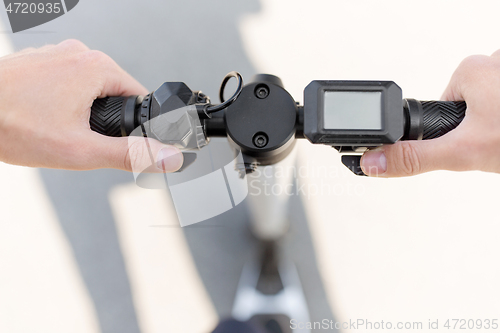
(353, 110)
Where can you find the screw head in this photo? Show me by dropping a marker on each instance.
(261, 91)
(260, 140)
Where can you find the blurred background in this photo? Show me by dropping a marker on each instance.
(92, 252)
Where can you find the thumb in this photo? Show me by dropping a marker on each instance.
(137, 154)
(408, 158)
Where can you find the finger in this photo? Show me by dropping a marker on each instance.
(408, 158)
(136, 154)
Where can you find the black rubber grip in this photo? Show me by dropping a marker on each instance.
(106, 114)
(441, 117)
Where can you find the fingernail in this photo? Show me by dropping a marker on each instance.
(169, 159)
(374, 163)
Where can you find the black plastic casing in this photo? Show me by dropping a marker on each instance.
(392, 114)
(273, 116)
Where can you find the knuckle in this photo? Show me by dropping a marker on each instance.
(92, 63)
(73, 44)
(94, 57)
(476, 71)
(496, 53)
(473, 64)
(408, 158)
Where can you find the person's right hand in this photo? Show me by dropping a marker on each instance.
(473, 145)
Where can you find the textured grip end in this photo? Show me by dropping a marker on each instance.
(441, 117)
(105, 116)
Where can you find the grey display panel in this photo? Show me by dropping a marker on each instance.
(353, 110)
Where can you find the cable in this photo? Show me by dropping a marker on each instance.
(225, 104)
